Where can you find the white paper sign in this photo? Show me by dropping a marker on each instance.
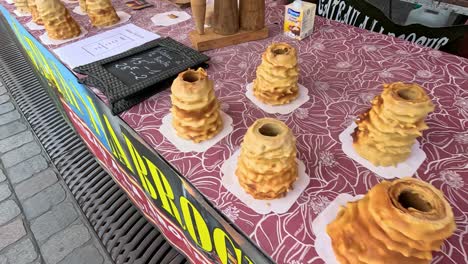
(323, 245)
(279, 109)
(104, 45)
(404, 169)
(184, 145)
(280, 205)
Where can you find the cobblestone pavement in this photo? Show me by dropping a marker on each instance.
(40, 221)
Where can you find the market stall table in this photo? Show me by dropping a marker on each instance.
(343, 68)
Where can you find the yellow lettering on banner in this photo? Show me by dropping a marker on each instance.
(43, 64)
(220, 238)
(165, 191)
(93, 107)
(141, 169)
(31, 53)
(91, 110)
(200, 225)
(65, 88)
(114, 143)
(73, 91)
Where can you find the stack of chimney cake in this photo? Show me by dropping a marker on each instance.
(267, 167)
(22, 6)
(277, 75)
(396, 222)
(386, 133)
(100, 12)
(34, 13)
(195, 108)
(57, 20)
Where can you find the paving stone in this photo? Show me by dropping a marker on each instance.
(43, 201)
(84, 255)
(4, 98)
(64, 242)
(22, 252)
(4, 191)
(11, 233)
(53, 221)
(9, 117)
(2, 176)
(26, 169)
(15, 141)
(8, 210)
(6, 107)
(11, 129)
(35, 184)
(2, 89)
(19, 154)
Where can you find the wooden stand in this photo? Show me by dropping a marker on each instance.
(211, 40)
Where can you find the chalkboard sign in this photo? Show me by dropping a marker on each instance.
(139, 71)
(145, 65)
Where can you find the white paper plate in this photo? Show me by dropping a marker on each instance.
(77, 10)
(48, 41)
(21, 14)
(33, 26)
(279, 206)
(184, 145)
(164, 20)
(279, 109)
(404, 169)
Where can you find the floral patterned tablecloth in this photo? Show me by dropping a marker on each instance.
(344, 68)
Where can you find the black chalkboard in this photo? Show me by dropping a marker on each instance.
(138, 73)
(145, 65)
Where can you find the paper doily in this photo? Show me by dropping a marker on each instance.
(280, 205)
(184, 145)
(302, 98)
(403, 169)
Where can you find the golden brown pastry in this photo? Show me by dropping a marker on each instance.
(267, 166)
(82, 4)
(22, 6)
(277, 75)
(195, 108)
(35, 15)
(387, 131)
(57, 20)
(101, 13)
(396, 222)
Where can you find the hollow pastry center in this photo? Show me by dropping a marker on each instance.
(408, 94)
(191, 76)
(279, 51)
(409, 199)
(270, 130)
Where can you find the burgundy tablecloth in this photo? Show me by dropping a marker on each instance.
(344, 68)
